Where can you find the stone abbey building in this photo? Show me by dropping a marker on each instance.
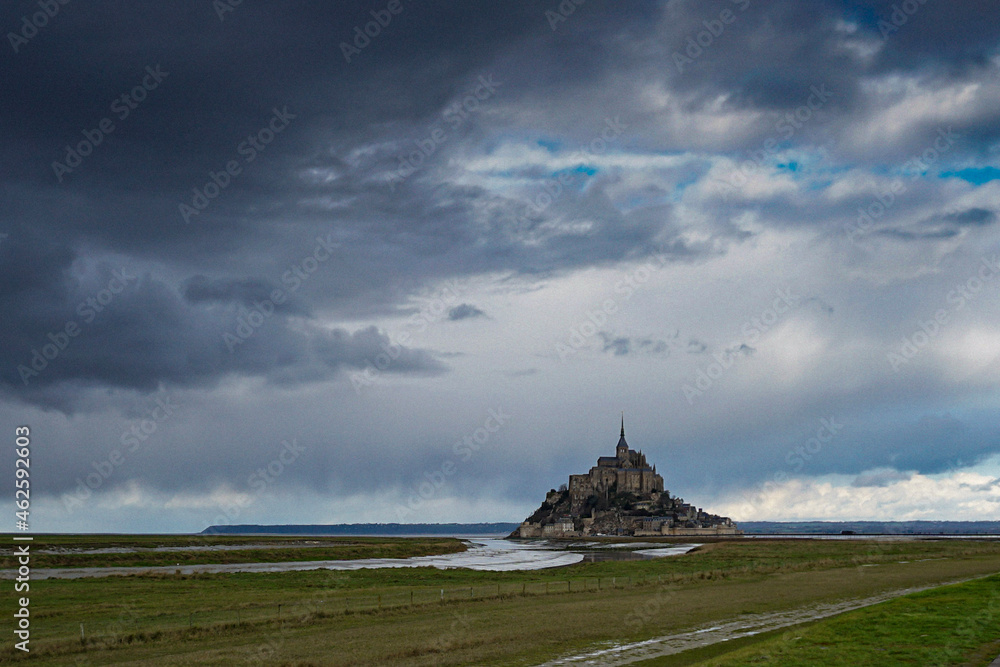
(621, 495)
(627, 470)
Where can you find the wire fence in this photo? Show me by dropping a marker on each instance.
(131, 624)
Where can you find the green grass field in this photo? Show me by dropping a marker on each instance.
(950, 625)
(278, 549)
(398, 617)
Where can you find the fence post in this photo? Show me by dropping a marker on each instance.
(442, 595)
(83, 639)
(411, 597)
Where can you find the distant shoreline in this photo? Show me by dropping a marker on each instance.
(368, 529)
(803, 528)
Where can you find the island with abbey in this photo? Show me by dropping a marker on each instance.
(621, 495)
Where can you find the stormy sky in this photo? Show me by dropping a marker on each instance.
(408, 261)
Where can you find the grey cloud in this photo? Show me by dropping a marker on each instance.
(464, 311)
(880, 478)
(985, 488)
(617, 345)
(821, 304)
(903, 235)
(621, 346)
(249, 292)
(742, 349)
(147, 335)
(696, 346)
(944, 226)
(973, 217)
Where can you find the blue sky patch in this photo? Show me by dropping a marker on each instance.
(974, 175)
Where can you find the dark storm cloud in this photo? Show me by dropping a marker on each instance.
(201, 289)
(95, 324)
(327, 170)
(773, 57)
(466, 139)
(928, 444)
(464, 311)
(123, 198)
(972, 216)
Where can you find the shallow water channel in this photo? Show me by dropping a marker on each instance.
(483, 554)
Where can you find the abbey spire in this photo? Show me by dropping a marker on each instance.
(622, 449)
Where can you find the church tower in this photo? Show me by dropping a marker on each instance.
(622, 449)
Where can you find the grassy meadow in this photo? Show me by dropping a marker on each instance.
(950, 625)
(424, 616)
(257, 549)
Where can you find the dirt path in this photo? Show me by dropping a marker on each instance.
(741, 626)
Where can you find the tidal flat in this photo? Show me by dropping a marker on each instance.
(430, 616)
